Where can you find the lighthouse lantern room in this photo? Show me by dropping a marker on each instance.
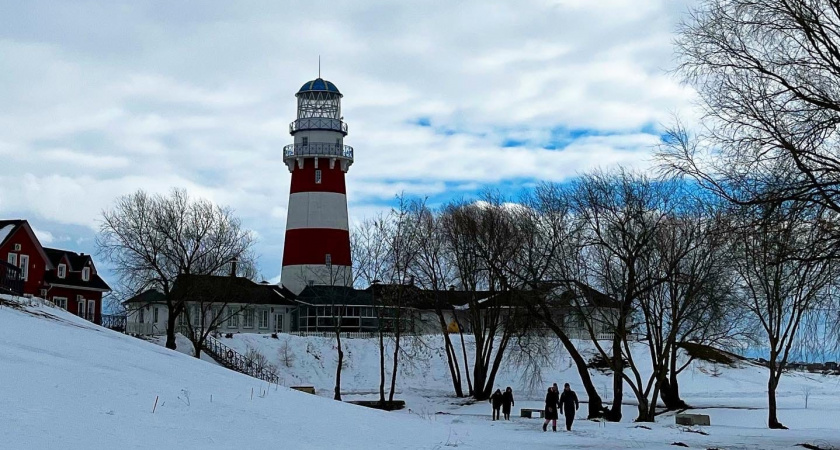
(317, 247)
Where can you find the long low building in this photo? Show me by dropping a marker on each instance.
(230, 304)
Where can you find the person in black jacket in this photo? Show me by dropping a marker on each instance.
(552, 399)
(569, 403)
(507, 402)
(496, 401)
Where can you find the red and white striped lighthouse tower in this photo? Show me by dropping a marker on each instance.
(317, 248)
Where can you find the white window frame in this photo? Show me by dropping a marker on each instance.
(80, 306)
(86, 274)
(24, 267)
(318, 176)
(12, 259)
(61, 302)
(61, 271)
(263, 319)
(248, 318)
(233, 319)
(91, 310)
(328, 260)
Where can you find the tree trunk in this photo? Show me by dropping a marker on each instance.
(596, 405)
(454, 369)
(464, 350)
(479, 372)
(614, 414)
(644, 410)
(669, 386)
(396, 361)
(171, 321)
(381, 366)
(772, 419)
(337, 395)
(197, 348)
(451, 357)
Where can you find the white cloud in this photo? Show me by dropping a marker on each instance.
(101, 99)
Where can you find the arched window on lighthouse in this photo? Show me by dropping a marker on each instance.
(318, 176)
(328, 261)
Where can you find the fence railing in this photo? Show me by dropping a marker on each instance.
(11, 280)
(344, 334)
(324, 149)
(116, 322)
(233, 360)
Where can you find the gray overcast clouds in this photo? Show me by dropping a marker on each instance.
(98, 99)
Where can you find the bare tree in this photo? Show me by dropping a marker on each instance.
(434, 273)
(783, 267)
(152, 239)
(479, 237)
(620, 215)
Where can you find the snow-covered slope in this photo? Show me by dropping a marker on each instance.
(72, 385)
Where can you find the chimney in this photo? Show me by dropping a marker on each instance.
(233, 268)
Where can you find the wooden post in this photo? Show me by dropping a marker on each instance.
(252, 393)
(155, 407)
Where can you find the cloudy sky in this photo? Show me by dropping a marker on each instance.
(444, 98)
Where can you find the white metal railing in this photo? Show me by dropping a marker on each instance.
(318, 149)
(329, 334)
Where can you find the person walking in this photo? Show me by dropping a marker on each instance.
(496, 400)
(569, 404)
(552, 398)
(507, 402)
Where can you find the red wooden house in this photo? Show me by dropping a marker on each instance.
(66, 278)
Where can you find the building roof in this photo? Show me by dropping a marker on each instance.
(95, 282)
(76, 260)
(339, 295)
(318, 85)
(148, 297)
(221, 289)
(8, 228)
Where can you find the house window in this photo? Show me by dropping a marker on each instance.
(248, 318)
(86, 274)
(24, 267)
(12, 259)
(156, 314)
(80, 305)
(142, 318)
(318, 176)
(305, 141)
(91, 310)
(182, 318)
(328, 260)
(62, 271)
(61, 302)
(233, 319)
(264, 318)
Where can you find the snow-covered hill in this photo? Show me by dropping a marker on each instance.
(72, 385)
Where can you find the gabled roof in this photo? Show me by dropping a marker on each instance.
(9, 227)
(221, 289)
(77, 262)
(339, 295)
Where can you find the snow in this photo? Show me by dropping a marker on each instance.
(4, 232)
(73, 385)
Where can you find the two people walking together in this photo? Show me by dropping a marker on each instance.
(566, 403)
(503, 401)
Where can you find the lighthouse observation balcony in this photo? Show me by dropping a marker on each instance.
(318, 149)
(318, 123)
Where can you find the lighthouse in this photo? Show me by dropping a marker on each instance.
(317, 247)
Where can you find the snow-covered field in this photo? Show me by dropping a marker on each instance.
(72, 385)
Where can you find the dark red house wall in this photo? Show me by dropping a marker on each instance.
(72, 304)
(37, 264)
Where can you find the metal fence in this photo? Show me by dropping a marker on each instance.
(116, 322)
(233, 360)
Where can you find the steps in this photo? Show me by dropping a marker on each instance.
(231, 359)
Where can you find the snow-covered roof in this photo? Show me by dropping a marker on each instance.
(4, 232)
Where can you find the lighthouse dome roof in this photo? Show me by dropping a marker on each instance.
(318, 84)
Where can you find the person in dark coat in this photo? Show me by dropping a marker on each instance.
(496, 400)
(569, 404)
(552, 399)
(507, 402)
